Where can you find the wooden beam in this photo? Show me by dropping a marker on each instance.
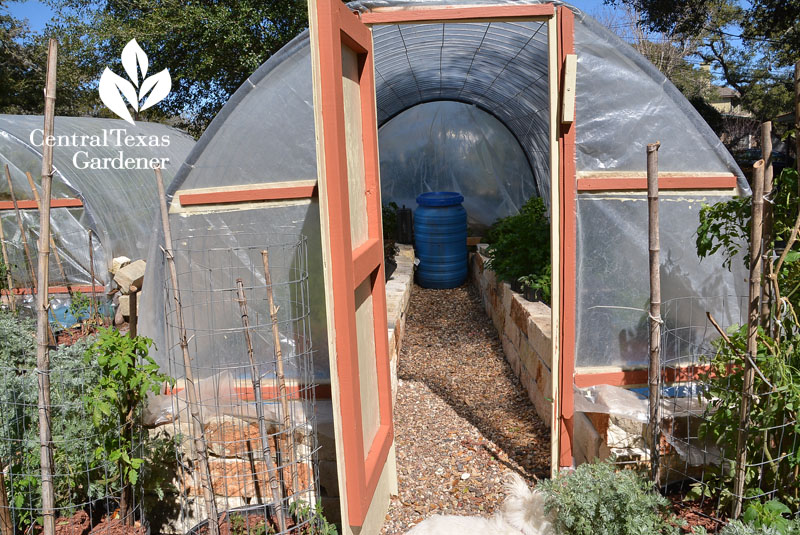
(460, 14)
(281, 192)
(589, 184)
(31, 204)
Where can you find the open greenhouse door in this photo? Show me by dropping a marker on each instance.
(352, 251)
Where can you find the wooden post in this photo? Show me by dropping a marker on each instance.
(797, 116)
(93, 303)
(199, 439)
(753, 321)
(654, 241)
(277, 494)
(43, 302)
(28, 260)
(6, 527)
(53, 248)
(287, 417)
(766, 155)
(12, 298)
(133, 314)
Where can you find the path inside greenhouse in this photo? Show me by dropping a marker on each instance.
(462, 419)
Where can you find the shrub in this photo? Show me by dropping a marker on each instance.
(596, 499)
(519, 248)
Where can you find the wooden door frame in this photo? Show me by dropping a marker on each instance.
(348, 268)
(560, 21)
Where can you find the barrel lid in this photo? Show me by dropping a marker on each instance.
(440, 198)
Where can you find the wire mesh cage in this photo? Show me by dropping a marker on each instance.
(702, 368)
(244, 312)
(87, 480)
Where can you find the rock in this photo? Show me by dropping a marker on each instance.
(125, 304)
(119, 263)
(132, 274)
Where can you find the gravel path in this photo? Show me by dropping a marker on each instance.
(462, 419)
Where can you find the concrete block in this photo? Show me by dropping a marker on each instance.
(132, 274)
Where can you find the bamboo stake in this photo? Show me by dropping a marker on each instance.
(200, 439)
(43, 302)
(654, 241)
(797, 115)
(272, 471)
(93, 304)
(766, 155)
(753, 321)
(53, 248)
(6, 527)
(28, 260)
(9, 279)
(287, 419)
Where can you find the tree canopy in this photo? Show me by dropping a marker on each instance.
(209, 47)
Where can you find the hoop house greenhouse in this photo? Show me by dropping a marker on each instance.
(103, 182)
(500, 101)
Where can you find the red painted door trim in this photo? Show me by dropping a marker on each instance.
(338, 27)
(31, 205)
(455, 13)
(589, 184)
(568, 194)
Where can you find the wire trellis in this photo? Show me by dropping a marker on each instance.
(261, 457)
(699, 423)
(87, 482)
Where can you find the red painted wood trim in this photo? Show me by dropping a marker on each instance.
(31, 205)
(57, 290)
(366, 259)
(458, 13)
(362, 468)
(247, 195)
(664, 183)
(639, 377)
(293, 392)
(567, 183)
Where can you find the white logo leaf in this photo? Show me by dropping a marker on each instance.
(112, 89)
(133, 55)
(161, 83)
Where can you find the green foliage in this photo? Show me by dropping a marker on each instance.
(128, 374)
(312, 519)
(596, 499)
(775, 432)
(737, 527)
(725, 227)
(519, 247)
(769, 514)
(79, 305)
(389, 218)
(4, 270)
(241, 526)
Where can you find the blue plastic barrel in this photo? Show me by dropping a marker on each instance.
(440, 237)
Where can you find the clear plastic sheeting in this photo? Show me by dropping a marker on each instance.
(118, 203)
(613, 288)
(451, 146)
(612, 400)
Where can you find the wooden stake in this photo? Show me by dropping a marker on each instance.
(277, 492)
(9, 279)
(6, 527)
(93, 303)
(654, 241)
(797, 115)
(28, 260)
(133, 314)
(200, 439)
(287, 418)
(753, 321)
(53, 248)
(766, 155)
(43, 301)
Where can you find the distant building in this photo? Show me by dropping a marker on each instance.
(726, 101)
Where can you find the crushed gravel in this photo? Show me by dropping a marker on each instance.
(462, 419)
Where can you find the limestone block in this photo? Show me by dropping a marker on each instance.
(132, 274)
(125, 304)
(119, 263)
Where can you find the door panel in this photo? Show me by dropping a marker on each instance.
(347, 163)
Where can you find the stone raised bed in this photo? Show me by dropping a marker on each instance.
(525, 330)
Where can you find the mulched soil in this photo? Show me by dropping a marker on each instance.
(462, 419)
(80, 524)
(695, 513)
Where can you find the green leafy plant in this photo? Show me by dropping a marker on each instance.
(311, 520)
(115, 401)
(737, 527)
(79, 305)
(4, 269)
(769, 514)
(242, 526)
(519, 248)
(389, 217)
(596, 499)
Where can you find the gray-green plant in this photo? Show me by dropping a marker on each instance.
(599, 499)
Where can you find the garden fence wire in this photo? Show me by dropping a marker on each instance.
(86, 480)
(698, 428)
(250, 447)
